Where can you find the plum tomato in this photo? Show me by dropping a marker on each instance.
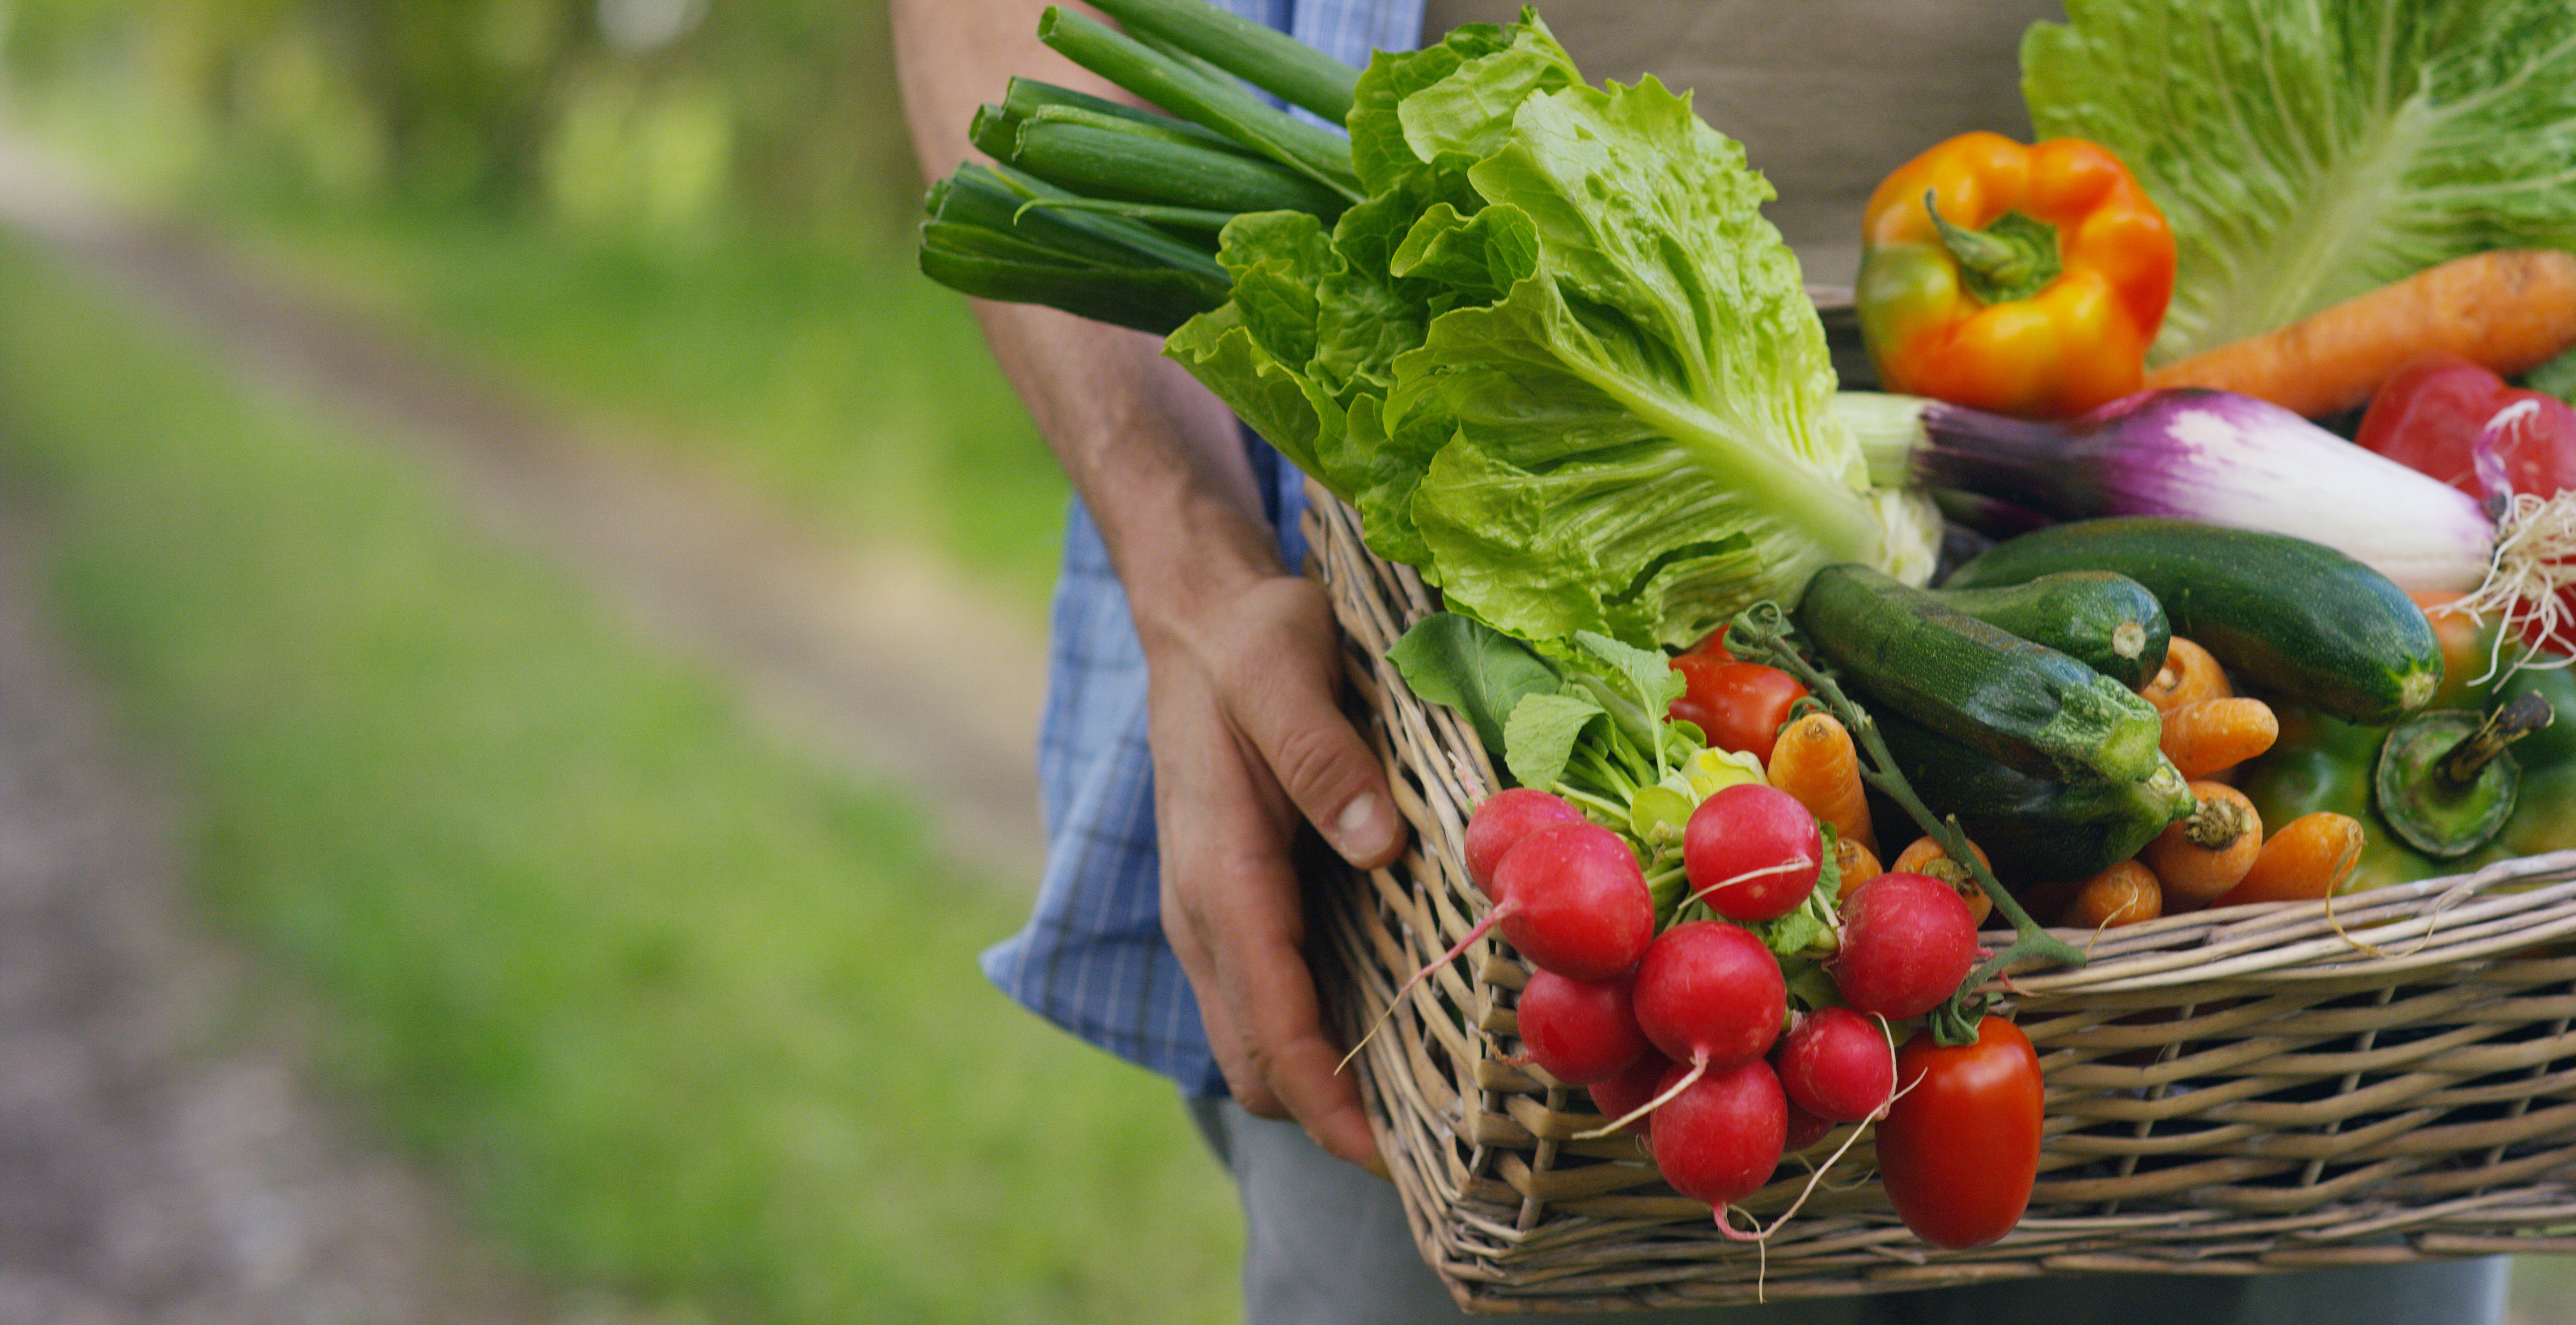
(1959, 1149)
(1741, 706)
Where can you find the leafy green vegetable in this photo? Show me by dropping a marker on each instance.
(1473, 668)
(2306, 152)
(1557, 358)
(1539, 740)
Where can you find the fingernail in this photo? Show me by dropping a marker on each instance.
(1363, 830)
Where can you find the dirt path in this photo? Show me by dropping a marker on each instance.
(160, 1160)
(881, 660)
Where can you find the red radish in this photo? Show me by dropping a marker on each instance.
(1837, 1064)
(1805, 1129)
(1908, 940)
(1709, 996)
(1709, 992)
(1574, 902)
(1502, 821)
(1628, 1092)
(1752, 852)
(1581, 1031)
(1720, 1137)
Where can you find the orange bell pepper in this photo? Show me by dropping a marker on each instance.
(2023, 280)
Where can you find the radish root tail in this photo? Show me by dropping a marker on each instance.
(1699, 1068)
(1396, 999)
(1766, 871)
(2535, 558)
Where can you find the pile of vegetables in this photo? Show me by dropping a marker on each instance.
(1539, 334)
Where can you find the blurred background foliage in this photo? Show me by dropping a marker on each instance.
(668, 115)
(693, 218)
(676, 1010)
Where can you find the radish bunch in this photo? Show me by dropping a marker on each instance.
(1689, 1031)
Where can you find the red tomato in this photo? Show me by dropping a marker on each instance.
(1740, 705)
(1713, 645)
(1960, 1149)
(2429, 416)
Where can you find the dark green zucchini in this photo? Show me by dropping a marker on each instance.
(2108, 622)
(2014, 701)
(2297, 618)
(2033, 829)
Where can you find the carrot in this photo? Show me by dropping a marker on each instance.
(2124, 894)
(2202, 857)
(1925, 856)
(1858, 864)
(2209, 736)
(1815, 763)
(2189, 675)
(2311, 857)
(2509, 309)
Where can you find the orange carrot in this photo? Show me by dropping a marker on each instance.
(2509, 309)
(1858, 864)
(2309, 858)
(2189, 675)
(2212, 735)
(1925, 856)
(2202, 857)
(2124, 894)
(1815, 763)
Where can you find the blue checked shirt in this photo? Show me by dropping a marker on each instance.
(1092, 958)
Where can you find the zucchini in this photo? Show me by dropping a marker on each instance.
(2021, 703)
(2033, 829)
(2107, 622)
(2299, 619)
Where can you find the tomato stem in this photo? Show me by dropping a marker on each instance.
(1761, 632)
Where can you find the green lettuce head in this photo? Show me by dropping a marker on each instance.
(1557, 359)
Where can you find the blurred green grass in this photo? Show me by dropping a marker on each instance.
(687, 1016)
(822, 371)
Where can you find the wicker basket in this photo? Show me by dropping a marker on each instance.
(2269, 1087)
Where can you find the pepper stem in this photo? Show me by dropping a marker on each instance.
(2528, 713)
(1761, 632)
(2010, 260)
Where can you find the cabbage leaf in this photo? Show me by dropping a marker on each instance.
(2305, 152)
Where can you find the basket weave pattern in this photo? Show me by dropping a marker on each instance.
(2386, 1078)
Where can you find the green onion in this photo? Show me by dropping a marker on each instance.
(991, 233)
(1154, 214)
(1150, 299)
(1270, 60)
(1028, 96)
(1104, 163)
(1318, 154)
(1008, 202)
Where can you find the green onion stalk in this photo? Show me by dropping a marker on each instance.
(1112, 212)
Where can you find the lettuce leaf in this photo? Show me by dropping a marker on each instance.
(2306, 153)
(1557, 359)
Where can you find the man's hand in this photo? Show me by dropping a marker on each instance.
(1248, 742)
(1244, 657)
